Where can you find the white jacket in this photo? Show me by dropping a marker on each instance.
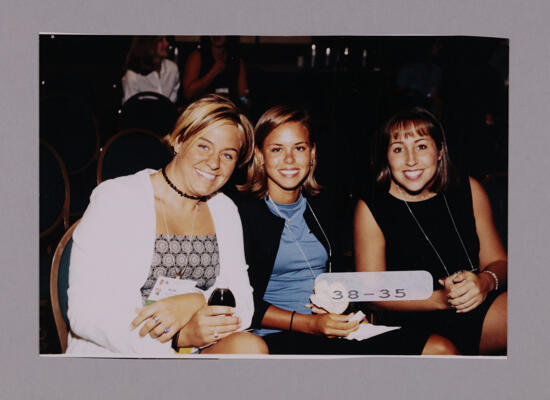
(111, 258)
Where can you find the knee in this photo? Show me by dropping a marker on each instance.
(439, 346)
(494, 337)
(247, 343)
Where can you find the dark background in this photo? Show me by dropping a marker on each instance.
(348, 96)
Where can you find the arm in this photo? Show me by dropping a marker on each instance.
(234, 268)
(370, 256)
(492, 256)
(237, 277)
(104, 275)
(470, 290)
(315, 324)
(129, 85)
(193, 84)
(173, 95)
(173, 313)
(233, 274)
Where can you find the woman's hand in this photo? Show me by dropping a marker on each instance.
(219, 66)
(316, 310)
(208, 325)
(333, 325)
(162, 319)
(467, 290)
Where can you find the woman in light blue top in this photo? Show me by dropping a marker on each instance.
(289, 240)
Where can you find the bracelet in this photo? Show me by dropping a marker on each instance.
(291, 319)
(175, 339)
(495, 277)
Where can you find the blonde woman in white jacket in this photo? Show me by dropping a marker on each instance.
(170, 223)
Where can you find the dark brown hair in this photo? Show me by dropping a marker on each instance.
(416, 121)
(273, 118)
(141, 56)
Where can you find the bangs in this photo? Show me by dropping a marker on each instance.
(408, 127)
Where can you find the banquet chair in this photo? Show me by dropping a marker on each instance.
(68, 124)
(59, 283)
(54, 190)
(130, 151)
(496, 186)
(148, 110)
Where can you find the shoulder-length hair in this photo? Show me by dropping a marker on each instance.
(256, 182)
(213, 110)
(141, 56)
(416, 121)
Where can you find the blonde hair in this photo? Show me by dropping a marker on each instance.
(256, 182)
(213, 110)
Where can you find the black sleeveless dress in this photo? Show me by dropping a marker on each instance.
(408, 249)
(225, 83)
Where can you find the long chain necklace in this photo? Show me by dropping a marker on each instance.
(182, 194)
(175, 338)
(296, 240)
(428, 239)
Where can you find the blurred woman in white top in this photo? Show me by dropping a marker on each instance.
(148, 69)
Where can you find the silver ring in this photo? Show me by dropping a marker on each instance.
(166, 330)
(216, 334)
(156, 319)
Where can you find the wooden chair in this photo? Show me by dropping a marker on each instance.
(148, 110)
(59, 283)
(54, 190)
(496, 186)
(68, 124)
(130, 151)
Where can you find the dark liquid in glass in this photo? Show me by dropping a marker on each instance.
(222, 297)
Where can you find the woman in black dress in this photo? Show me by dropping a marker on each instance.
(216, 67)
(420, 215)
(289, 240)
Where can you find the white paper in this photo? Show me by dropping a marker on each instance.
(366, 331)
(168, 287)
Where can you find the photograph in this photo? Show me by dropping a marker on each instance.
(193, 190)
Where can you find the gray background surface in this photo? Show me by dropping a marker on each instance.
(524, 374)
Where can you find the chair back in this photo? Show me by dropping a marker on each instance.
(130, 151)
(496, 186)
(148, 110)
(54, 190)
(59, 283)
(70, 127)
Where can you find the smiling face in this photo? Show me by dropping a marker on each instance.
(205, 164)
(287, 155)
(413, 162)
(161, 50)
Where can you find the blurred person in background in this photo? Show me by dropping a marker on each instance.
(216, 67)
(148, 69)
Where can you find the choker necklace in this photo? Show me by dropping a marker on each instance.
(182, 194)
(428, 239)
